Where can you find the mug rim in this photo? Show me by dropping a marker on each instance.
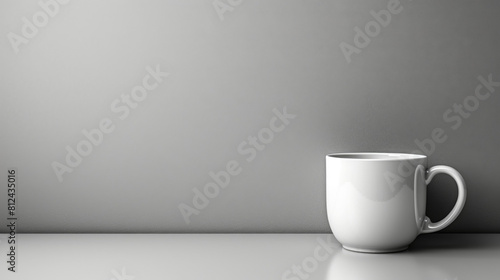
(375, 156)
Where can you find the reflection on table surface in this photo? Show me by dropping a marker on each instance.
(349, 265)
(245, 256)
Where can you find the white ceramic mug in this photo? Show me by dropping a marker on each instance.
(376, 201)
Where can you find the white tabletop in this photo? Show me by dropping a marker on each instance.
(245, 256)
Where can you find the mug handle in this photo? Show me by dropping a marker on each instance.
(428, 226)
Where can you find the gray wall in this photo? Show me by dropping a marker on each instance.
(228, 78)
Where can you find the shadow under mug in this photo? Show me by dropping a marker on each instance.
(347, 265)
(376, 201)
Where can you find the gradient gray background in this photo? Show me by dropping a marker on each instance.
(226, 78)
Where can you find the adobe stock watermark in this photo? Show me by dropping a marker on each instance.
(363, 37)
(122, 275)
(310, 264)
(224, 6)
(30, 27)
(454, 116)
(122, 108)
(248, 148)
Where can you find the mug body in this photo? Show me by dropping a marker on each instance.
(375, 201)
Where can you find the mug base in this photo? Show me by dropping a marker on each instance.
(370, 251)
